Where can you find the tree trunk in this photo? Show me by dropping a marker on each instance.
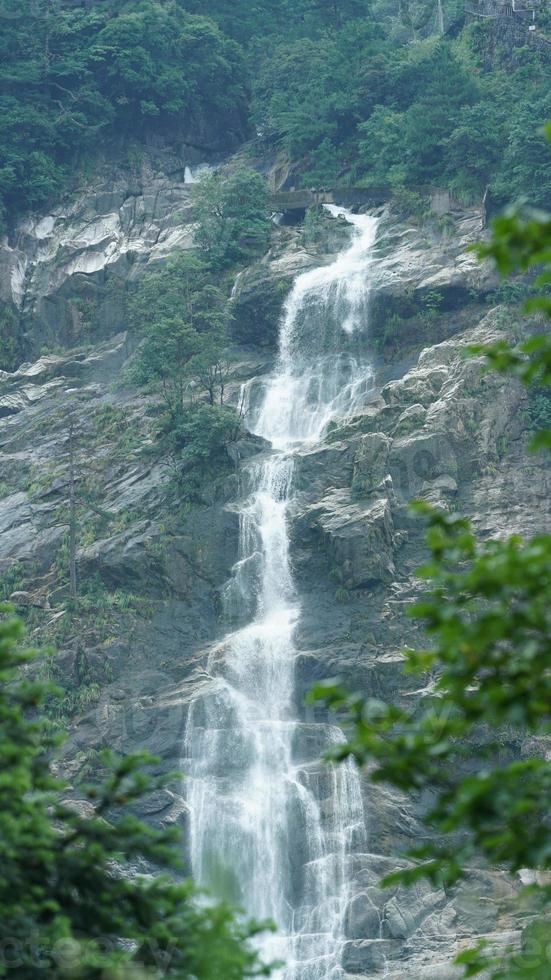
(72, 518)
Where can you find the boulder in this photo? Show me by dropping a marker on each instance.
(329, 465)
(417, 388)
(369, 956)
(123, 562)
(362, 918)
(411, 418)
(358, 537)
(424, 282)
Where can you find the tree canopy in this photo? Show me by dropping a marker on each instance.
(354, 91)
(410, 114)
(75, 78)
(233, 221)
(182, 317)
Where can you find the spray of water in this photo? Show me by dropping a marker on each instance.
(270, 831)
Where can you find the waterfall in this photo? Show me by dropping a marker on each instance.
(270, 829)
(440, 17)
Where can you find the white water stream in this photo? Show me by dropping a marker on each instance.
(268, 832)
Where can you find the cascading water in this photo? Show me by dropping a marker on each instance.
(267, 831)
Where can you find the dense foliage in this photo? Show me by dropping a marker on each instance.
(66, 897)
(75, 77)
(360, 92)
(364, 110)
(366, 92)
(182, 317)
(233, 222)
(181, 313)
(488, 613)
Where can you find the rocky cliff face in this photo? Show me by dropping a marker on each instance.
(152, 563)
(64, 274)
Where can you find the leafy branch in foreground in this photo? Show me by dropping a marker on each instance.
(488, 674)
(71, 903)
(489, 613)
(521, 241)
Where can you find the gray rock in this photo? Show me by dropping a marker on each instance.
(358, 537)
(417, 388)
(362, 919)
(412, 418)
(399, 923)
(259, 294)
(325, 466)
(120, 222)
(366, 957)
(371, 461)
(416, 269)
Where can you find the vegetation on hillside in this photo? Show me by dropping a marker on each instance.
(182, 356)
(362, 109)
(75, 78)
(233, 222)
(181, 312)
(358, 91)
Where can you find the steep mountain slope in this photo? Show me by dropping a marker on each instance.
(153, 562)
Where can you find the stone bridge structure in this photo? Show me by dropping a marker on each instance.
(296, 202)
(299, 200)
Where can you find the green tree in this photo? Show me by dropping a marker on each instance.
(11, 342)
(474, 148)
(74, 77)
(183, 287)
(295, 79)
(204, 432)
(488, 613)
(310, 91)
(381, 147)
(71, 904)
(210, 368)
(525, 166)
(156, 62)
(183, 319)
(169, 346)
(232, 216)
(279, 18)
(409, 137)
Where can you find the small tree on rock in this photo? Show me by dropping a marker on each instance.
(233, 221)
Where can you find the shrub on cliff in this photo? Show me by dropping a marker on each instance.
(204, 431)
(182, 317)
(233, 221)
